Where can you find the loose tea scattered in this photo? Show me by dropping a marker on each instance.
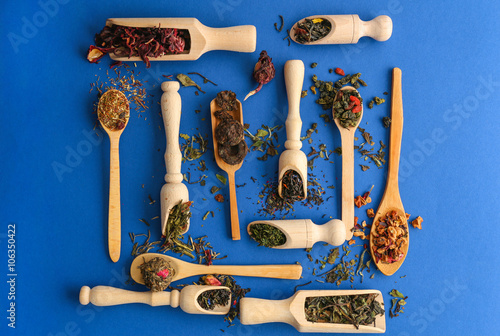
(267, 235)
(347, 108)
(417, 223)
(292, 186)
(311, 30)
(390, 236)
(113, 110)
(263, 141)
(376, 100)
(397, 304)
(386, 121)
(263, 72)
(157, 274)
(357, 310)
(143, 42)
(212, 298)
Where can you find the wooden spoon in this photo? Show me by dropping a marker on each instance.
(347, 138)
(202, 38)
(186, 298)
(293, 158)
(391, 200)
(348, 29)
(106, 106)
(184, 269)
(237, 114)
(174, 191)
(303, 233)
(291, 311)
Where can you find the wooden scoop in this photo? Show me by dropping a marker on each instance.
(237, 114)
(303, 233)
(293, 158)
(291, 311)
(186, 298)
(348, 29)
(391, 200)
(184, 269)
(202, 38)
(114, 212)
(347, 138)
(174, 191)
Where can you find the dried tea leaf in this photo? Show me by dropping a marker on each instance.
(221, 178)
(186, 81)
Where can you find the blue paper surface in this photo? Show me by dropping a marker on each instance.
(54, 170)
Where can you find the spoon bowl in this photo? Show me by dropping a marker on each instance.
(237, 114)
(187, 298)
(348, 29)
(391, 200)
(111, 104)
(347, 139)
(184, 269)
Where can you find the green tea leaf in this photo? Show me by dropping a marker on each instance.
(262, 133)
(186, 81)
(221, 178)
(184, 136)
(396, 293)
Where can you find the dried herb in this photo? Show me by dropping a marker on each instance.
(212, 298)
(397, 304)
(263, 141)
(328, 89)
(390, 237)
(157, 274)
(292, 186)
(281, 26)
(313, 65)
(417, 223)
(309, 132)
(377, 101)
(311, 30)
(334, 254)
(176, 224)
(364, 167)
(263, 72)
(386, 121)
(144, 42)
(221, 178)
(357, 310)
(205, 79)
(267, 235)
(214, 189)
(219, 198)
(347, 108)
(186, 81)
(303, 94)
(188, 149)
(113, 110)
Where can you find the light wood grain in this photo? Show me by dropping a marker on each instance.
(348, 29)
(293, 158)
(184, 269)
(291, 311)
(203, 38)
(237, 114)
(347, 139)
(303, 233)
(174, 190)
(186, 298)
(114, 211)
(391, 200)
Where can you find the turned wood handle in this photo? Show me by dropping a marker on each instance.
(110, 296)
(347, 138)
(380, 28)
(114, 212)
(238, 38)
(257, 311)
(294, 78)
(171, 112)
(233, 205)
(396, 132)
(260, 271)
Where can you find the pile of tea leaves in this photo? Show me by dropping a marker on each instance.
(212, 298)
(264, 140)
(267, 235)
(193, 147)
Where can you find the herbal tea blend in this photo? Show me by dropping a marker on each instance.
(113, 110)
(267, 235)
(212, 298)
(311, 30)
(138, 41)
(157, 274)
(347, 108)
(292, 186)
(357, 310)
(263, 72)
(389, 238)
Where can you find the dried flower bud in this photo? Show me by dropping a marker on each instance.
(263, 72)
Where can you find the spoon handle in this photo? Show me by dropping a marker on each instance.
(114, 211)
(396, 132)
(111, 296)
(260, 271)
(171, 113)
(347, 139)
(233, 206)
(294, 78)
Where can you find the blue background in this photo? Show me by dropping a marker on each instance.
(448, 53)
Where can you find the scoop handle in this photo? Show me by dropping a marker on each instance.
(111, 296)
(396, 132)
(171, 113)
(260, 271)
(294, 78)
(114, 212)
(380, 28)
(238, 38)
(257, 311)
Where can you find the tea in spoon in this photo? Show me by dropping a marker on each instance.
(347, 120)
(113, 112)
